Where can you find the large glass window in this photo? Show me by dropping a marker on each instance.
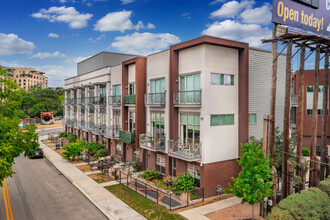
(103, 94)
(189, 129)
(103, 115)
(157, 90)
(173, 167)
(310, 98)
(82, 112)
(190, 88)
(194, 171)
(160, 163)
(131, 122)
(116, 118)
(157, 122)
(91, 114)
(118, 148)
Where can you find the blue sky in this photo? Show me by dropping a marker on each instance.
(53, 35)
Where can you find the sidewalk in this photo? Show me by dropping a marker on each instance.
(106, 202)
(200, 213)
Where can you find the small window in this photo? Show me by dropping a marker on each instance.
(222, 79)
(118, 149)
(253, 118)
(160, 163)
(222, 120)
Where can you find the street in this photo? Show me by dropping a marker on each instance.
(38, 191)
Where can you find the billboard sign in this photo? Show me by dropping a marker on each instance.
(303, 16)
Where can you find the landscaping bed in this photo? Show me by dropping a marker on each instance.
(85, 168)
(76, 161)
(100, 178)
(144, 206)
(59, 151)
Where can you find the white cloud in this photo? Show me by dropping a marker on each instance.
(186, 15)
(12, 44)
(46, 55)
(217, 1)
(250, 33)
(144, 43)
(231, 9)
(76, 59)
(261, 15)
(101, 37)
(151, 26)
(13, 63)
(53, 35)
(57, 74)
(64, 14)
(119, 21)
(125, 2)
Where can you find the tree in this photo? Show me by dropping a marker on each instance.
(253, 183)
(13, 141)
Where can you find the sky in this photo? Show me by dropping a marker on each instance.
(53, 35)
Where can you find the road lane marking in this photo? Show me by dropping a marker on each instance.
(9, 205)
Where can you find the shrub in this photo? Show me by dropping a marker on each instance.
(168, 180)
(161, 184)
(101, 152)
(73, 150)
(137, 166)
(151, 175)
(183, 183)
(63, 134)
(93, 147)
(71, 137)
(308, 204)
(306, 152)
(325, 185)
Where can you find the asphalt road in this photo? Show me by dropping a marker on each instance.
(50, 130)
(38, 191)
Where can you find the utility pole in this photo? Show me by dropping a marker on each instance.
(314, 117)
(273, 97)
(286, 121)
(301, 101)
(325, 114)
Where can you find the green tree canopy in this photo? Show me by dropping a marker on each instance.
(13, 141)
(253, 183)
(38, 100)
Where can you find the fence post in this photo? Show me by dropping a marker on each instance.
(290, 178)
(303, 174)
(187, 197)
(274, 185)
(127, 181)
(120, 176)
(102, 165)
(135, 185)
(145, 190)
(203, 194)
(157, 195)
(317, 172)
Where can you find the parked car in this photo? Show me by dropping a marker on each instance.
(38, 153)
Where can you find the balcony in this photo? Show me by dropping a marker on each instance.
(81, 124)
(188, 152)
(152, 143)
(188, 98)
(154, 99)
(127, 137)
(75, 123)
(129, 100)
(114, 100)
(74, 101)
(68, 122)
(91, 126)
(113, 132)
(102, 100)
(101, 129)
(93, 100)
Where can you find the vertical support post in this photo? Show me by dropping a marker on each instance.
(187, 197)
(157, 195)
(274, 186)
(273, 97)
(135, 185)
(314, 117)
(317, 171)
(120, 176)
(265, 134)
(127, 181)
(171, 202)
(290, 177)
(324, 115)
(302, 173)
(145, 190)
(286, 119)
(301, 100)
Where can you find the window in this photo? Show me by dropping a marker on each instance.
(252, 118)
(157, 124)
(91, 114)
(136, 155)
(160, 163)
(103, 92)
(116, 118)
(82, 114)
(118, 148)
(131, 122)
(190, 89)
(157, 88)
(194, 171)
(222, 79)
(131, 90)
(310, 98)
(116, 90)
(222, 119)
(189, 129)
(103, 115)
(173, 167)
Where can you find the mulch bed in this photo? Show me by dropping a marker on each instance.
(76, 161)
(85, 168)
(100, 178)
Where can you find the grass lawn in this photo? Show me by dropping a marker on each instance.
(145, 207)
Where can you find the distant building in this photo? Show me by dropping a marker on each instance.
(26, 77)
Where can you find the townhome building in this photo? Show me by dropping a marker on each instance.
(181, 110)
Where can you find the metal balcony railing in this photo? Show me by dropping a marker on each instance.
(74, 101)
(188, 98)
(185, 151)
(93, 100)
(81, 101)
(113, 131)
(114, 100)
(102, 100)
(127, 137)
(154, 99)
(91, 126)
(129, 99)
(101, 129)
(152, 143)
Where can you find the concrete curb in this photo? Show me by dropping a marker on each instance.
(120, 210)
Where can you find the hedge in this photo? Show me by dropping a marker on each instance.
(306, 151)
(325, 185)
(312, 204)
